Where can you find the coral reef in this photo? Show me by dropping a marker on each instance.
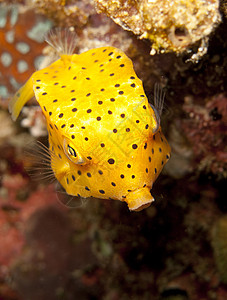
(171, 26)
(173, 250)
(8, 129)
(224, 7)
(34, 120)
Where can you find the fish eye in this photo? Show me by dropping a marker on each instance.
(71, 151)
(156, 119)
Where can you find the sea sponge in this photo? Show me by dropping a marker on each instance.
(169, 25)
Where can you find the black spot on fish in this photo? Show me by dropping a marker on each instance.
(111, 161)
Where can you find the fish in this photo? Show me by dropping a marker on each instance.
(105, 139)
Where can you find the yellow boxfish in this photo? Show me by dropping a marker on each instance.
(105, 139)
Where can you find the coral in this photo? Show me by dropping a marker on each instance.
(8, 129)
(224, 7)
(34, 120)
(21, 44)
(171, 26)
(206, 131)
(219, 243)
(64, 13)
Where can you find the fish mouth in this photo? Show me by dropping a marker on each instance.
(139, 199)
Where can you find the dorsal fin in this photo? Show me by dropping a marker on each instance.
(63, 40)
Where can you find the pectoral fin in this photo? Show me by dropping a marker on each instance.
(22, 96)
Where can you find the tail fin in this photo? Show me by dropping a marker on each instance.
(22, 96)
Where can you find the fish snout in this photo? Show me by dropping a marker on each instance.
(139, 199)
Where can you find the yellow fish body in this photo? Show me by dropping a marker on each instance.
(105, 140)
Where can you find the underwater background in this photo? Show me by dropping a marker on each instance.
(55, 248)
